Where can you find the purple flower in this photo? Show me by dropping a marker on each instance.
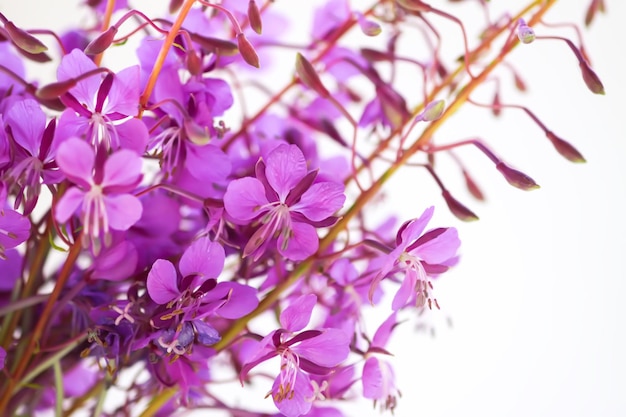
(103, 108)
(286, 202)
(313, 351)
(3, 355)
(14, 229)
(102, 192)
(419, 256)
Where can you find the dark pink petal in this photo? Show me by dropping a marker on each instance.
(10, 270)
(76, 158)
(207, 163)
(14, 228)
(328, 349)
(244, 198)
(27, 122)
(133, 134)
(303, 243)
(122, 170)
(122, 211)
(300, 402)
(381, 337)
(297, 315)
(321, 201)
(74, 64)
(441, 248)
(285, 167)
(239, 299)
(162, 282)
(123, 97)
(204, 258)
(406, 290)
(68, 204)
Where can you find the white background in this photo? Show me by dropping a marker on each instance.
(536, 303)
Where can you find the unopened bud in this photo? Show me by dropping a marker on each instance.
(309, 76)
(458, 209)
(591, 79)
(55, 90)
(524, 32)
(414, 5)
(23, 39)
(368, 27)
(194, 62)
(196, 133)
(102, 42)
(433, 110)
(472, 187)
(496, 106)
(223, 47)
(254, 16)
(516, 178)
(565, 149)
(175, 5)
(247, 51)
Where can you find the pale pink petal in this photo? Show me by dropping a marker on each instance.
(297, 315)
(406, 290)
(133, 134)
(302, 244)
(68, 204)
(123, 97)
(73, 65)
(122, 170)
(27, 122)
(321, 200)
(122, 211)
(441, 248)
(243, 199)
(204, 258)
(162, 282)
(300, 402)
(285, 167)
(76, 159)
(328, 349)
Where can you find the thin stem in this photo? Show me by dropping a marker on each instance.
(106, 22)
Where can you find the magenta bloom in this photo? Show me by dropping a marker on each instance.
(313, 351)
(103, 189)
(286, 202)
(418, 256)
(14, 229)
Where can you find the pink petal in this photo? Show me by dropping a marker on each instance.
(298, 404)
(161, 282)
(74, 64)
(243, 198)
(441, 248)
(14, 228)
(123, 97)
(416, 227)
(68, 204)
(377, 379)
(76, 159)
(204, 258)
(122, 211)
(208, 163)
(242, 299)
(381, 337)
(321, 201)
(133, 134)
(117, 262)
(295, 317)
(406, 290)
(27, 122)
(328, 349)
(122, 170)
(285, 167)
(303, 243)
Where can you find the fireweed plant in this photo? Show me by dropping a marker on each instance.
(160, 237)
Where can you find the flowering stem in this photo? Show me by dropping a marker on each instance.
(165, 48)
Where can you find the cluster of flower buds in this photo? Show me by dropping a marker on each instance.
(158, 237)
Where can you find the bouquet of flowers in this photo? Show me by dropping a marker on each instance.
(171, 224)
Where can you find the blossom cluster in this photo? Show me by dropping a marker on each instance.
(148, 218)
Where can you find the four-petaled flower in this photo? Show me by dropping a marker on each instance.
(284, 199)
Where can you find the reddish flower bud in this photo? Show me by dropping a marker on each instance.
(247, 51)
(433, 110)
(221, 46)
(565, 148)
(175, 5)
(472, 187)
(519, 83)
(516, 178)
(591, 79)
(414, 5)
(194, 62)
(102, 42)
(55, 90)
(458, 209)
(254, 16)
(23, 39)
(309, 76)
(524, 32)
(368, 27)
(496, 108)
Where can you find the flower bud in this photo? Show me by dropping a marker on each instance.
(472, 187)
(591, 79)
(565, 148)
(55, 90)
(458, 209)
(496, 108)
(221, 46)
(175, 5)
(433, 110)
(194, 62)
(101, 42)
(247, 51)
(368, 27)
(516, 178)
(524, 32)
(254, 16)
(23, 39)
(309, 76)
